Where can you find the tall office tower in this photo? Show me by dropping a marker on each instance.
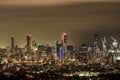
(83, 52)
(96, 39)
(64, 46)
(49, 51)
(64, 41)
(96, 46)
(70, 51)
(64, 37)
(28, 43)
(59, 49)
(12, 43)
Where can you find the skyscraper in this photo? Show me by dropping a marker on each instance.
(12, 43)
(96, 39)
(96, 47)
(28, 43)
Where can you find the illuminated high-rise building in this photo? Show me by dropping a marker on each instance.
(70, 51)
(96, 39)
(96, 46)
(64, 37)
(28, 39)
(59, 49)
(83, 52)
(64, 45)
(12, 43)
(28, 43)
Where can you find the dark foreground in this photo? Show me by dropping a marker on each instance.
(53, 76)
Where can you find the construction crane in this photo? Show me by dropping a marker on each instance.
(104, 47)
(104, 42)
(115, 43)
(113, 39)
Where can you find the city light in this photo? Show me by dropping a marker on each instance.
(76, 61)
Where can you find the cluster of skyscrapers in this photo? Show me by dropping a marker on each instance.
(62, 52)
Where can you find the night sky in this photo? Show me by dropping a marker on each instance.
(46, 21)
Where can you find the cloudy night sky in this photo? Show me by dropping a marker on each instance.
(46, 20)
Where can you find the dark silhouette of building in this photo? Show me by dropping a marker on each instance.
(70, 50)
(28, 43)
(12, 44)
(96, 39)
(83, 52)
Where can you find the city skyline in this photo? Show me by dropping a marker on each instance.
(46, 23)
